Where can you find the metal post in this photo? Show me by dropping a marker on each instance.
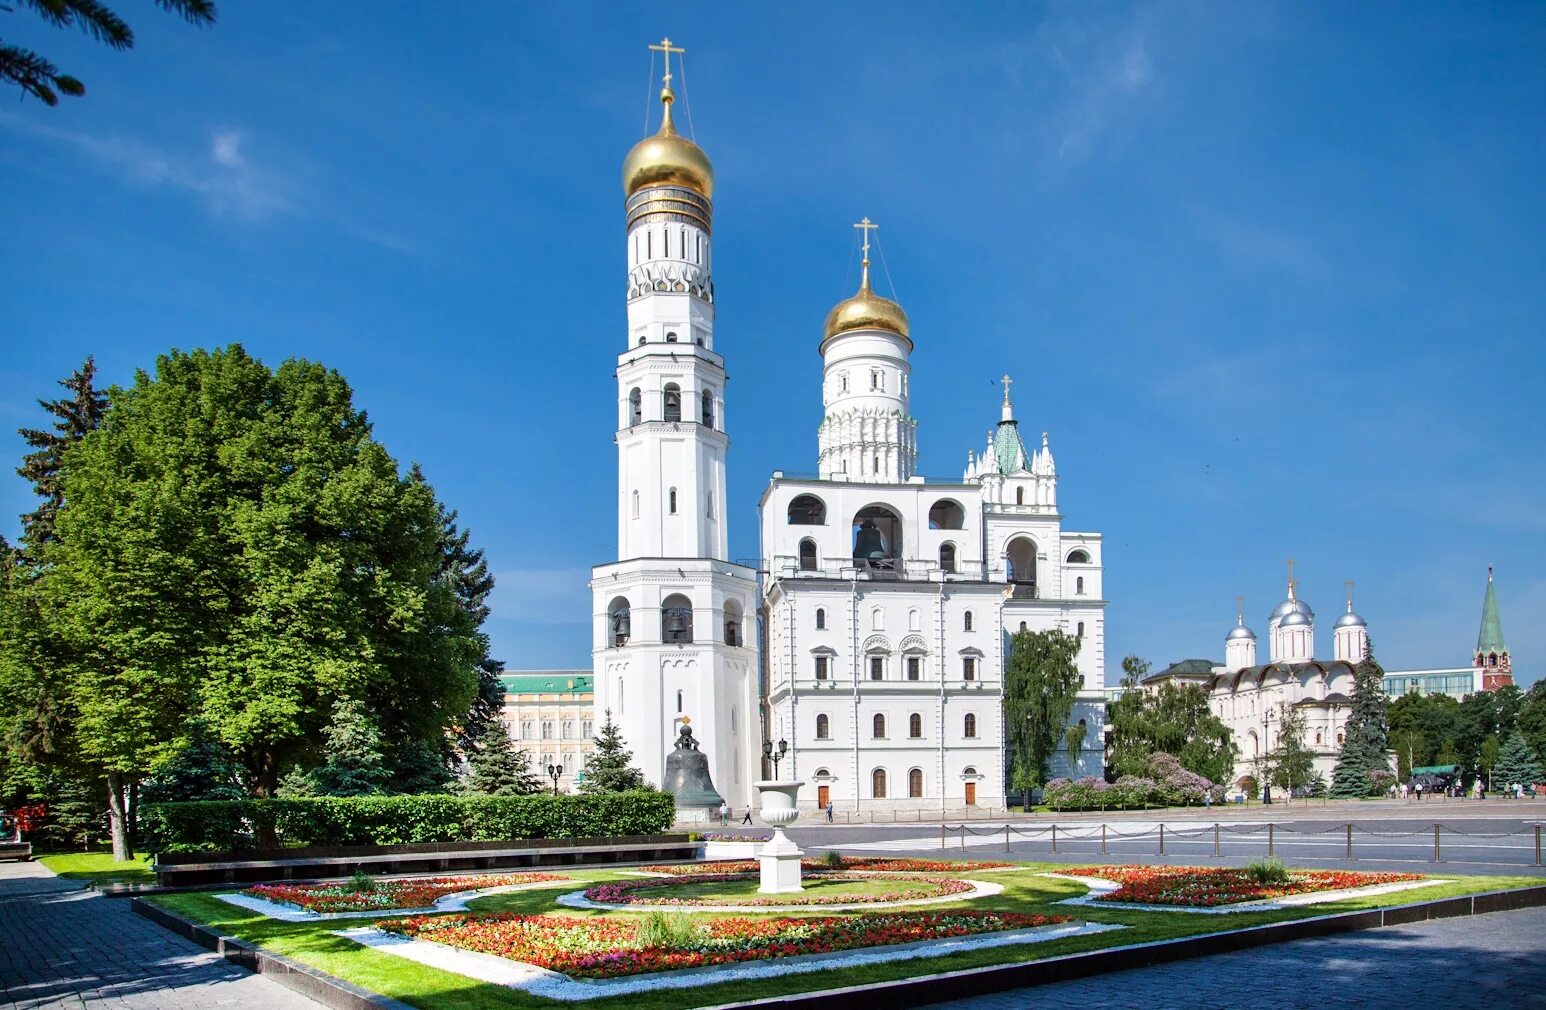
(963, 836)
(1215, 841)
(1269, 840)
(1537, 845)
(1349, 843)
(1435, 843)
(1006, 838)
(1054, 839)
(1103, 841)
(941, 835)
(1162, 838)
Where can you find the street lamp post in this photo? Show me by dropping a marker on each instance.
(775, 755)
(554, 771)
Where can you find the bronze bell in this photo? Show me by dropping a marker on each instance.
(687, 774)
(869, 544)
(676, 623)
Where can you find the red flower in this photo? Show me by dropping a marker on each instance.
(1208, 886)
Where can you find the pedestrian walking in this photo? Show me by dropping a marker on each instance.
(1418, 788)
(724, 815)
(829, 811)
(748, 818)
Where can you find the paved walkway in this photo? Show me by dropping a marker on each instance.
(62, 946)
(1479, 961)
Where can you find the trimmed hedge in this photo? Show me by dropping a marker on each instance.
(221, 825)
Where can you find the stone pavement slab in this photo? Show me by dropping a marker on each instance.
(64, 946)
(1475, 961)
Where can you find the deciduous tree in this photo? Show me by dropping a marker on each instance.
(1040, 682)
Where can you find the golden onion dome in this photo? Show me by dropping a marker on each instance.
(668, 159)
(867, 311)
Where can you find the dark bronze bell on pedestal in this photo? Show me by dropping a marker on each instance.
(869, 544)
(687, 775)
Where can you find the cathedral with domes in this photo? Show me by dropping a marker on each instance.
(887, 599)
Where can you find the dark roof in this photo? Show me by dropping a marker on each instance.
(1185, 668)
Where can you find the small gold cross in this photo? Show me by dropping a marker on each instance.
(667, 48)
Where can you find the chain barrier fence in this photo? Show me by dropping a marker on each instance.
(1086, 832)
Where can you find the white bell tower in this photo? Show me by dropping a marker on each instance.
(674, 620)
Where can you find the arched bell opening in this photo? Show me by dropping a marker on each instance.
(676, 619)
(877, 533)
(620, 621)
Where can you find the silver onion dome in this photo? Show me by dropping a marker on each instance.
(1238, 632)
(1287, 606)
(1294, 619)
(1350, 620)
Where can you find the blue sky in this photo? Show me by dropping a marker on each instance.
(1271, 275)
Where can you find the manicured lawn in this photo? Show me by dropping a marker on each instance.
(99, 867)
(1025, 892)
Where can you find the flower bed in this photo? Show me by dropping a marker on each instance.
(867, 864)
(1207, 886)
(608, 947)
(628, 892)
(415, 892)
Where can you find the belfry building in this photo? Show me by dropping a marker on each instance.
(887, 598)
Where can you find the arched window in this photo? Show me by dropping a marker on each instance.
(807, 510)
(636, 504)
(732, 623)
(823, 727)
(673, 394)
(1081, 630)
(842, 381)
(671, 339)
(671, 502)
(708, 408)
(1339, 739)
(676, 619)
(708, 504)
(915, 784)
(1022, 561)
(969, 727)
(1079, 586)
(915, 726)
(621, 708)
(947, 557)
(914, 622)
(968, 772)
(877, 620)
(1022, 625)
(946, 515)
(821, 619)
(878, 726)
(877, 538)
(635, 406)
(678, 703)
(1317, 738)
(619, 620)
(967, 624)
(807, 555)
(1019, 496)
(1079, 557)
(878, 783)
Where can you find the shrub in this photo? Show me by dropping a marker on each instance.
(832, 858)
(667, 929)
(395, 820)
(360, 882)
(1267, 871)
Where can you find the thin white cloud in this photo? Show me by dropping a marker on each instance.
(228, 183)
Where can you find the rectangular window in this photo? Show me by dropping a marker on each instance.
(821, 667)
(969, 668)
(914, 667)
(877, 668)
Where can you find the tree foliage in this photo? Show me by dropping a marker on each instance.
(1290, 764)
(1366, 736)
(74, 416)
(610, 769)
(497, 768)
(1517, 764)
(1174, 720)
(39, 77)
(1040, 682)
(354, 765)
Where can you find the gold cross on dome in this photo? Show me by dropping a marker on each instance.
(866, 226)
(667, 48)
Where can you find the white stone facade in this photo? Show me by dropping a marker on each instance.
(673, 619)
(889, 600)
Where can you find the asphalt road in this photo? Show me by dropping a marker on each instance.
(1472, 841)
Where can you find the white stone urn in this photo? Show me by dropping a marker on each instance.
(780, 857)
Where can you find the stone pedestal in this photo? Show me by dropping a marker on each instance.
(780, 858)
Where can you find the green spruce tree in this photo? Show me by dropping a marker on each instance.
(199, 767)
(354, 766)
(1366, 737)
(610, 769)
(496, 768)
(1517, 764)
